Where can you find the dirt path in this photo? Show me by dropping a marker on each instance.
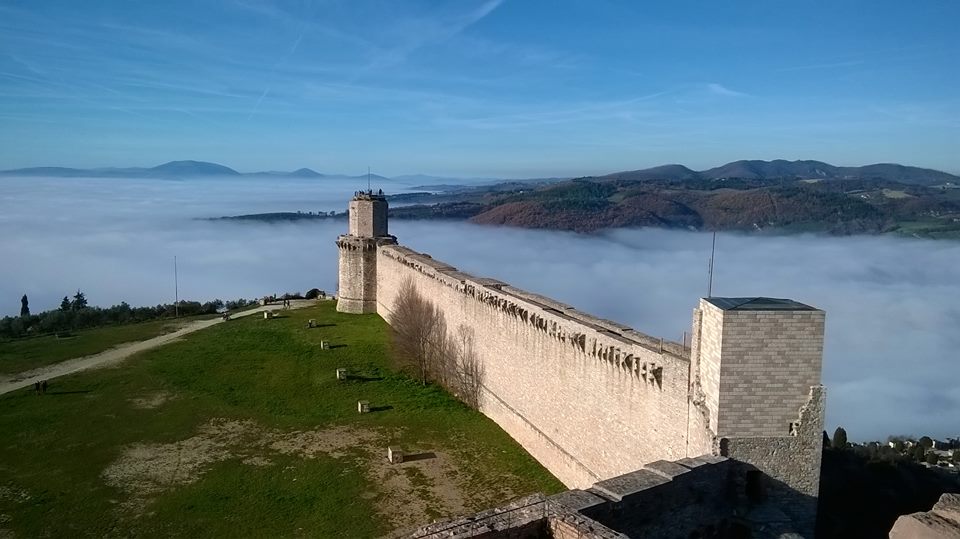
(119, 353)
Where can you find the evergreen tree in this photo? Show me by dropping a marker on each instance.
(24, 306)
(839, 438)
(65, 304)
(79, 301)
(826, 440)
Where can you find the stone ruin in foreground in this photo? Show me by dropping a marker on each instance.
(721, 438)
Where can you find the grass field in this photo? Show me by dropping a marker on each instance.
(242, 430)
(930, 228)
(25, 354)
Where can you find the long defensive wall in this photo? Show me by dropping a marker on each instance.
(592, 399)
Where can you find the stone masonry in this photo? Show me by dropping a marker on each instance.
(941, 522)
(358, 253)
(593, 399)
(693, 497)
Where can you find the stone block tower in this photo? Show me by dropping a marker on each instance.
(755, 389)
(357, 292)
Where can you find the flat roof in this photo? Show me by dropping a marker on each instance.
(758, 304)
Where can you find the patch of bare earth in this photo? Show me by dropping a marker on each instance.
(13, 495)
(145, 470)
(332, 442)
(406, 495)
(257, 461)
(416, 492)
(151, 400)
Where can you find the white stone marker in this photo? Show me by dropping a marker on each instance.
(341, 374)
(394, 455)
(363, 407)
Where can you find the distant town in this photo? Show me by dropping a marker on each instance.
(930, 452)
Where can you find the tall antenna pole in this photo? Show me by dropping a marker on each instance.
(368, 179)
(176, 289)
(713, 253)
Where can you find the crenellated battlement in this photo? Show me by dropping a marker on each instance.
(351, 243)
(588, 335)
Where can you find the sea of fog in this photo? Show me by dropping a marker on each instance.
(891, 359)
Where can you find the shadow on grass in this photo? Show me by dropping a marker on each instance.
(380, 408)
(30, 390)
(419, 456)
(364, 378)
(316, 326)
(334, 346)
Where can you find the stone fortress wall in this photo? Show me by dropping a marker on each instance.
(588, 398)
(592, 399)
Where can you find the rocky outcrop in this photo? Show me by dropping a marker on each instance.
(941, 522)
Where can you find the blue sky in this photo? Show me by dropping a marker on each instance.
(511, 88)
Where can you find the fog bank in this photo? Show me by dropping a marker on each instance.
(890, 364)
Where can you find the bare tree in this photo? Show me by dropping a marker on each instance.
(441, 352)
(421, 343)
(417, 329)
(468, 368)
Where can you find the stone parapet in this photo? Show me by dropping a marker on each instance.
(609, 340)
(692, 497)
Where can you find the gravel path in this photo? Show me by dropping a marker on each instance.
(123, 351)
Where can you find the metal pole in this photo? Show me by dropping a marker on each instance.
(176, 290)
(713, 252)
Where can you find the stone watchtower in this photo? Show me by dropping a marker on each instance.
(755, 387)
(357, 292)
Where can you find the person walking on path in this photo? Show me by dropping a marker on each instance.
(36, 387)
(43, 387)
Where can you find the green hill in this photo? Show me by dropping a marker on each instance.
(854, 206)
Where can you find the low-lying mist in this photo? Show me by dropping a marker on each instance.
(892, 314)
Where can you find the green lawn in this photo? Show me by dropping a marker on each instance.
(242, 430)
(930, 228)
(25, 354)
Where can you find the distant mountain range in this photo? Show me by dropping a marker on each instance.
(171, 170)
(779, 168)
(751, 170)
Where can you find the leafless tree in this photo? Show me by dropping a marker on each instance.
(416, 324)
(421, 343)
(468, 368)
(440, 351)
